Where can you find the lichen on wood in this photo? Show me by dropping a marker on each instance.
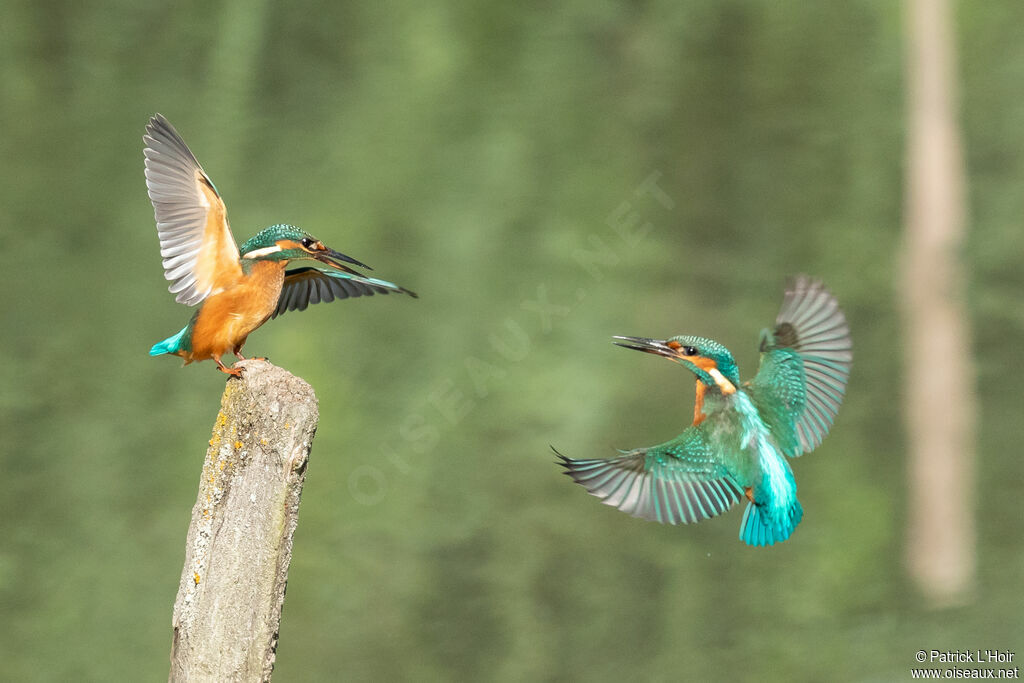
(228, 609)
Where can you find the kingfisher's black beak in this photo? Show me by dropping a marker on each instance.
(658, 348)
(332, 258)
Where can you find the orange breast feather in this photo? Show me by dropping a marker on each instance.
(227, 318)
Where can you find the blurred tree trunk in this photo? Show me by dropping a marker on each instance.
(228, 609)
(939, 392)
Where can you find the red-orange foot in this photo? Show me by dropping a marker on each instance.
(237, 372)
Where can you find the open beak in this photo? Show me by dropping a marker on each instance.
(658, 348)
(332, 258)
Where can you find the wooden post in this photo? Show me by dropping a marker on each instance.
(228, 609)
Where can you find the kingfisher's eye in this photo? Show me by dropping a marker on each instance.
(689, 351)
(306, 242)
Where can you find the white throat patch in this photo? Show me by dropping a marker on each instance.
(256, 253)
(725, 385)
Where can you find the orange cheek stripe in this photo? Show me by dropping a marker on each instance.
(703, 363)
(711, 367)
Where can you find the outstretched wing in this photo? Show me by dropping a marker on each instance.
(805, 364)
(305, 286)
(679, 481)
(199, 253)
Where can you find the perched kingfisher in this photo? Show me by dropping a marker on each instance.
(236, 293)
(741, 433)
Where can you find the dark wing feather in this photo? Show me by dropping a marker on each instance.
(677, 482)
(305, 286)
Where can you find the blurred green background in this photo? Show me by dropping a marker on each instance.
(482, 154)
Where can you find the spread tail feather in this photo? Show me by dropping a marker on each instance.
(757, 530)
(171, 345)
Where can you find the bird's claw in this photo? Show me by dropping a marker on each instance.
(233, 371)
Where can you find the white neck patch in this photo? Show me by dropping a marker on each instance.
(256, 253)
(725, 385)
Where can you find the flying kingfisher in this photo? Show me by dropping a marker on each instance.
(741, 433)
(236, 293)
